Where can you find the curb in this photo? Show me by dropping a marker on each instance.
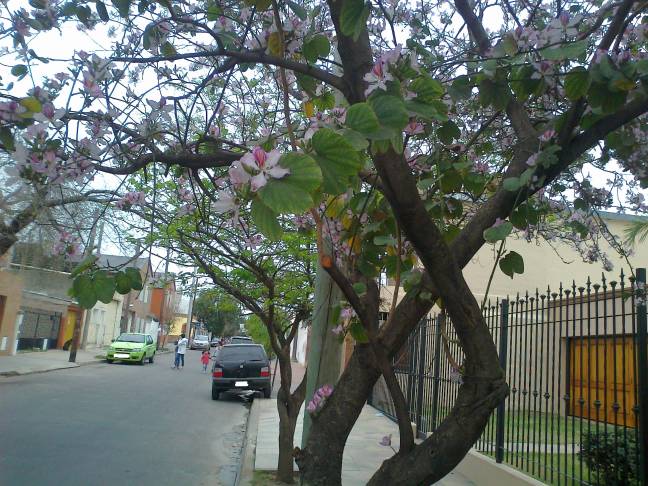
(34, 372)
(67, 367)
(245, 473)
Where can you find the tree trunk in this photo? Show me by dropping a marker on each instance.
(287, 424)
(288, 406)
(320, 463)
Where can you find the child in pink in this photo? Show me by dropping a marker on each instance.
(204, 359)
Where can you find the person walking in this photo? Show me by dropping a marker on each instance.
(204, 359)
(180, 351)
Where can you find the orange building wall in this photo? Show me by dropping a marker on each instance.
(157, 301)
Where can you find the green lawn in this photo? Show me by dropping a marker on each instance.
(555, 469)
(539, 428)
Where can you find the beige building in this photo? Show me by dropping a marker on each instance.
(545, 264)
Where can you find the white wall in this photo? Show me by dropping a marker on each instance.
(301, 341)
(104, 323)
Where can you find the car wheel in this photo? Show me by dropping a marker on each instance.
(141, 361)
(267, 392)
(109, 361)
(152, 358)
(215, 393)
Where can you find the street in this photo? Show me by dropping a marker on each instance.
(119, 424)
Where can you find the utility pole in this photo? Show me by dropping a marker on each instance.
(123, 322)
(164, 296)
(325, 354)
(191, 302)
(84, 332)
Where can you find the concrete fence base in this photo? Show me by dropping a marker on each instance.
(484, 471)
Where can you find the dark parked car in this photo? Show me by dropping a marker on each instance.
(241, 340)
(215, 342)
(241, 367)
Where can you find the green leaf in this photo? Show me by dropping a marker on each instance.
(512, 263)
(135, 278)
(317, 46)
(361, 117)
(214, 12)
(497, 233)
(448, 132)
(451, 181)
(261, 5)
(122, 283)
(577, 82)
(360, 288)
(358, 332)
(572, 50)
(337, 159)
(357, 140)
(509, 44)
(435, 110)
(168, 50)
(292, 193)
(460, 89)
(84, 292)
(384, 240)
(512, 184)
(104, 286)
(266, 220)
(122, 6)
(353, 17)
(32, 104)
(298, 10)
(390, 111)
(19, 70)
(426, 88)
(102, 11)
(86, 263)
(7, 139)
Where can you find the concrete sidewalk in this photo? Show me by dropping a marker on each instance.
(42, 361)
(363, 453)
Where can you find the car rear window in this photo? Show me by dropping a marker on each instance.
(242, 353)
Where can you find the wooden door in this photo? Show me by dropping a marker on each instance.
(602, 379)
(67, 332)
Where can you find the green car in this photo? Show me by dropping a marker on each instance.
(132, 346)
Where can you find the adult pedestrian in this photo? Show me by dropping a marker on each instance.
(180, 351)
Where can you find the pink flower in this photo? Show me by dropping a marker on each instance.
(413, 128)
(377, 77)
(533, 160)
(311, 407)
(347, 313)
(498, 222)
(325, 391)
(238, 175)
(386, 440)
(547, 135)
(226, 202)
(337, 330)
(264, 165)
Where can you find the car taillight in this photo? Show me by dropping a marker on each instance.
(265, 371)
(218, 373)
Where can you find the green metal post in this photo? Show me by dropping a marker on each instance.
(325, 351)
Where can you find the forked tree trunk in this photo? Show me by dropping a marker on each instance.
(287, 424)
(320, 464)
(288, 406)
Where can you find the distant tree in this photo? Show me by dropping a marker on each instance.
(259, 334)
(218, 312)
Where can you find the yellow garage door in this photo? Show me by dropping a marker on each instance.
(602, 379)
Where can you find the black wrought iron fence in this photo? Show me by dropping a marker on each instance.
(577, 367)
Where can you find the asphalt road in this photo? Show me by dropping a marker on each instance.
(119, 424)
